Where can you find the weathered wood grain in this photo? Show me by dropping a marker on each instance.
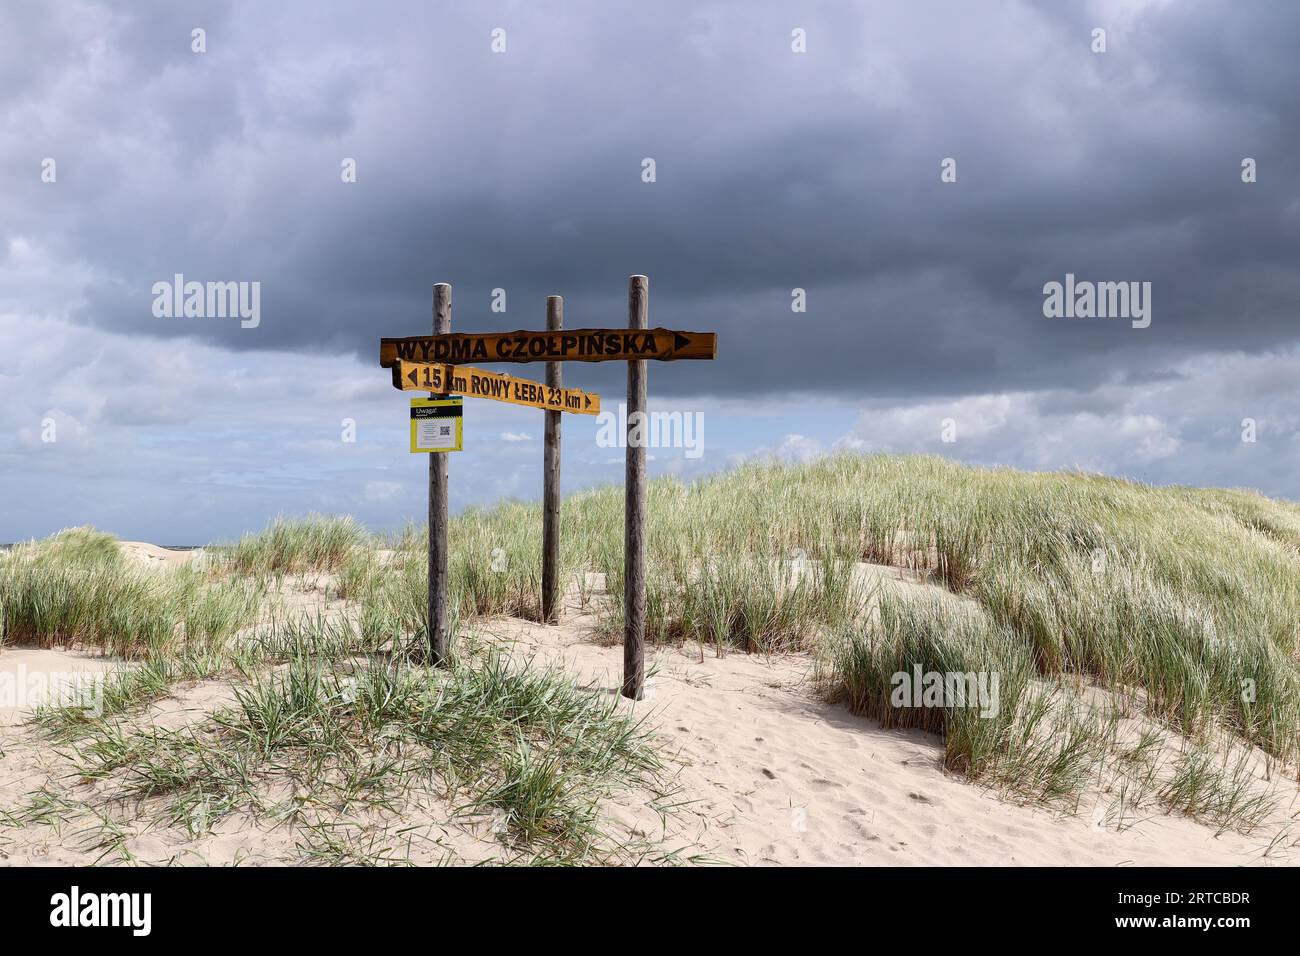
(577, 345)
(551, 477)
(638, 303)
(438, 511)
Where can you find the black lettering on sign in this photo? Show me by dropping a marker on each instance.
(437, 411)
(463, 380)
(584, 345)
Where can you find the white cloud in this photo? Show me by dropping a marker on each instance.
(382, 490)
(1184, 427)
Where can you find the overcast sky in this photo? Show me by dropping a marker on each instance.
(523, 169)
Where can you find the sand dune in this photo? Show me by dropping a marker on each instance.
(152, 555)
(778, 776)
(765, 772)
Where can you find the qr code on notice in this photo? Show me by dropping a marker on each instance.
(444, 431)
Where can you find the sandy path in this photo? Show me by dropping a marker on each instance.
(778, 776)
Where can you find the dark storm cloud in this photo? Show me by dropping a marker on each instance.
(775, 170)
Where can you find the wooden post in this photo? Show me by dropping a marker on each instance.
(638, 295)
(551, 479)
(438, 510)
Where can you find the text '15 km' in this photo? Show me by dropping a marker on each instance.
(477, 383)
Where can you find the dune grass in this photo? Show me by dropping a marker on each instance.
(520, 746)
(80, 546)
(494, 567)
(331, 710)
(314, 543)
(1181, 603)
(1185, 598)
(75, 588)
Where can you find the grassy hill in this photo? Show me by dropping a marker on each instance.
(1116, 617)
(1190, 596)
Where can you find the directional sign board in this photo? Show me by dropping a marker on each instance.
(477, 383)
(440, 363)
(577, 345)
(436, 424)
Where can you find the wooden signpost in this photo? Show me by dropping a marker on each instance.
(464, 380)
(438, 510)
(551, 476)
(438, 363)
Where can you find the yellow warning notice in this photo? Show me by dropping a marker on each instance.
(436, 424)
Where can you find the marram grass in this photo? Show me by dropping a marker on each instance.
(314, 543)
(1187, 598)
(522, 745)
(1183, 602)
(76, 588)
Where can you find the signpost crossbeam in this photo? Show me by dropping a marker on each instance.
(576, 345)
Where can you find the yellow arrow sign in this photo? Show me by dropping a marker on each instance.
(477, 383)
